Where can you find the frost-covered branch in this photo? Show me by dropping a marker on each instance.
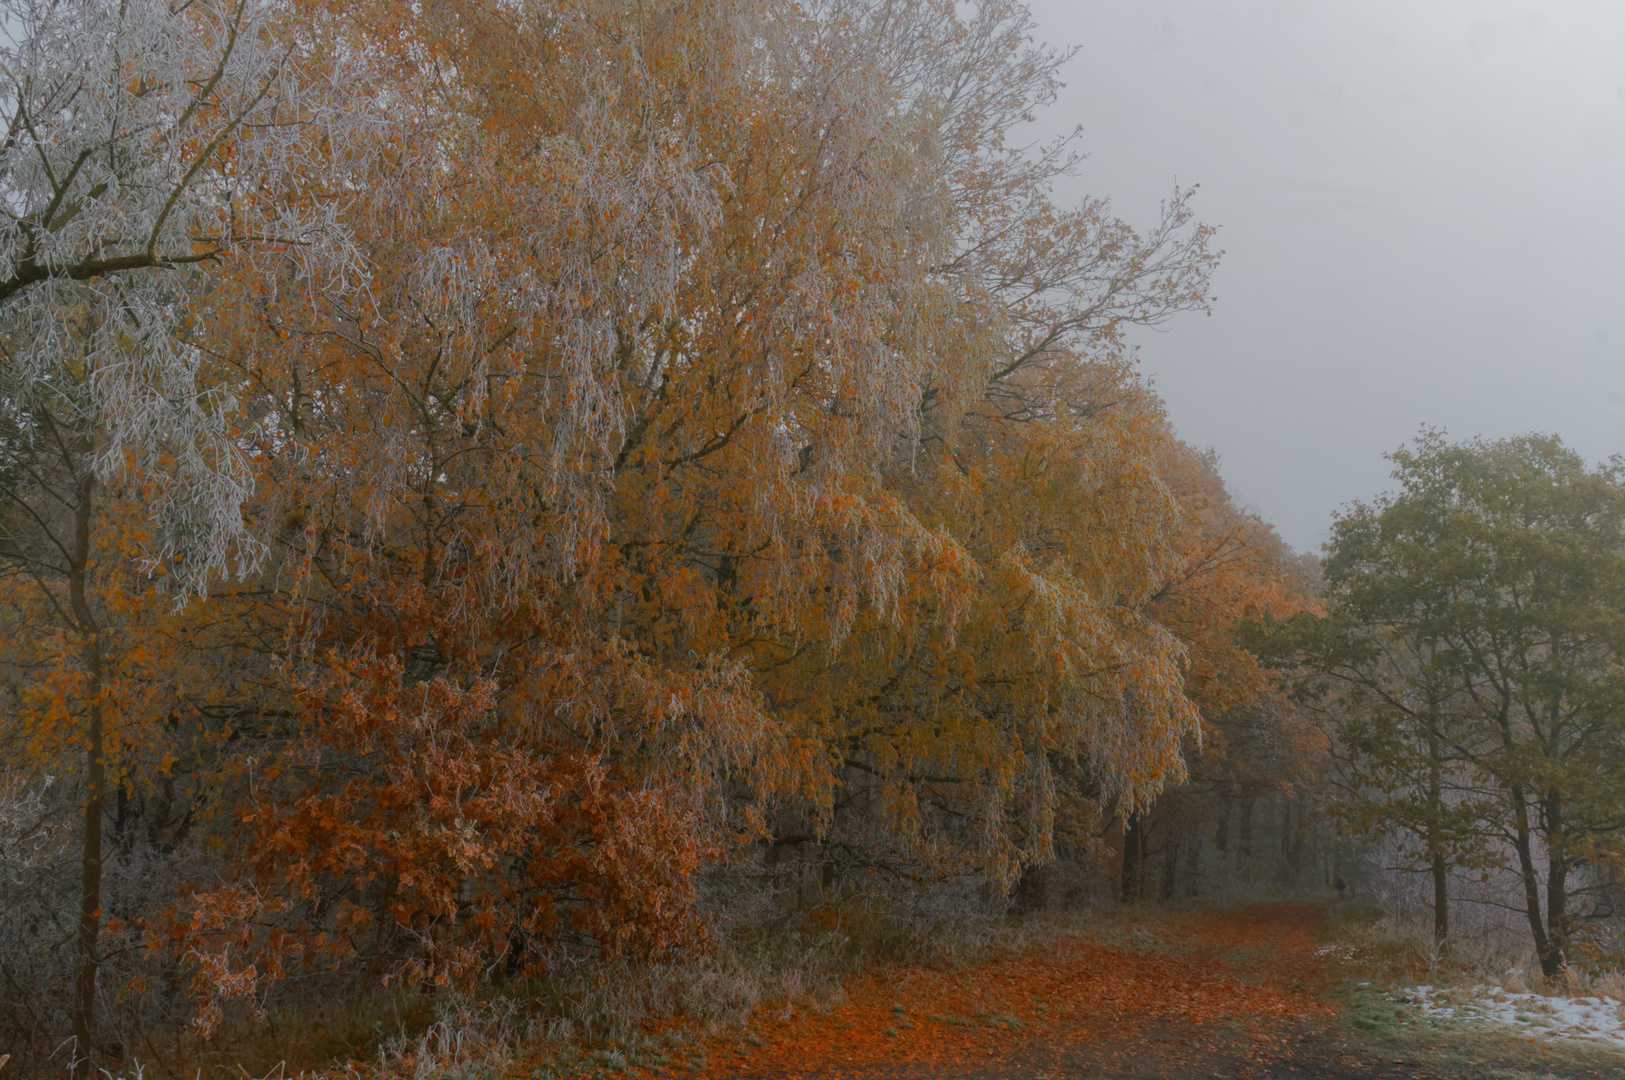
(142, 143)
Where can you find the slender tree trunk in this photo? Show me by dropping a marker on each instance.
(1193, 862)
(1441, 881)
(1441, 904)
(1557, 891)
(1291, 845)
(82, 1019)
(1170, 866)
(1531, 883)
(1133, 856)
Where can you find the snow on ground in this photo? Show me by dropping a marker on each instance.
(1341, 952)
(1599, 1019)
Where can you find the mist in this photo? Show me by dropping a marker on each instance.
(1421, 210)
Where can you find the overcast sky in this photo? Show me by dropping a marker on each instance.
(1422, 204)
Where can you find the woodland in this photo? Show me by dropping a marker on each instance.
(591, 512)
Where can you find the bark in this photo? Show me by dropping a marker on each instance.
(1170, 867)
(1521, 841)
(1441, 905)
(82, 1020)
(1441, 883)
(1291, 846)
(1133, 856)
(1555, 958)
(1193, 862)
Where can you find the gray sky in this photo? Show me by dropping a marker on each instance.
(1423, 208)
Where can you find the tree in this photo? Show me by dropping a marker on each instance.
(143, 144)
(143, 141)
(727, 353)
(1476, 617)
(702, 431)
(1374, 664)
(1229, 568)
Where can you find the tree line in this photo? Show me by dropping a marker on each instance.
(472, 474)
(470, 471)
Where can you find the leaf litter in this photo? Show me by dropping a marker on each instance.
(1209, 972)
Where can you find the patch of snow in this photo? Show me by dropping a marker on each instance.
(1597, 1019)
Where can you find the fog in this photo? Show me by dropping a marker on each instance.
(1421, 206)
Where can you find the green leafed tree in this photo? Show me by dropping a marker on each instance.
(1472, 656)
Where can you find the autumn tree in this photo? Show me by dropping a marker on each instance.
(728, 410)
(1229, 568)
(144, 143)
(643, 436)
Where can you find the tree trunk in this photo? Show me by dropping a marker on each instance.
(1441, 905)
(1133, 856)
(1557, 888)
(1170, 866)
(1193, 862)
(82, 1018)
(1441, 883)
(1292, 834)
(1531, 883)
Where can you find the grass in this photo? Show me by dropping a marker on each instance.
(1373, 960)
(1457, 1049)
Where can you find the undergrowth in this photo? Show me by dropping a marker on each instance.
(1370, 945)
(784, 947)
(780, 942)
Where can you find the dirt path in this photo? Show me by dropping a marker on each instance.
(1238, 993)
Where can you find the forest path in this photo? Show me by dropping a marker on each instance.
(1237, 993)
